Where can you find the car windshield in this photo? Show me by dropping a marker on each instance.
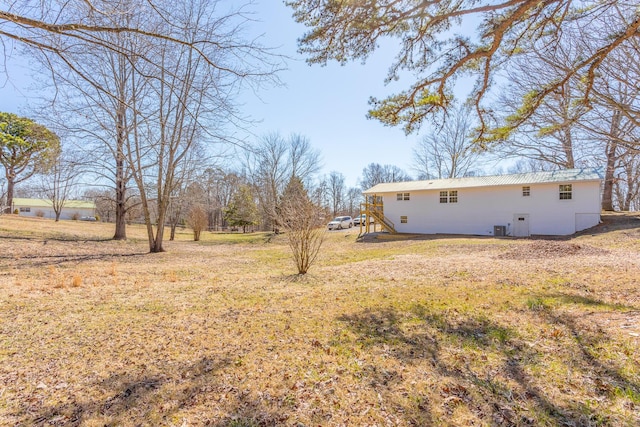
(338, 218)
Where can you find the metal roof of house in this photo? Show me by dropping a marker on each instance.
(567, 175)
(46, 203)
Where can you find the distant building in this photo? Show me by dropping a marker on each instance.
(545, 203)
(72, 209)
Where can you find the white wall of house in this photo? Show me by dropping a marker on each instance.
(66, 214)
(479, 209)
(25, 208)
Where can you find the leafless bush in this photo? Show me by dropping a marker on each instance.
(197, 220)
(302, 222)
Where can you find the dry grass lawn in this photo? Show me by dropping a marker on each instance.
(382, 332)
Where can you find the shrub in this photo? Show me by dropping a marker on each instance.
(16, 212)
(300, 219)
(40, 214)
(75, 216)
(197, 220)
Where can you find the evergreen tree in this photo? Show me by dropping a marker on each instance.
(242, 211)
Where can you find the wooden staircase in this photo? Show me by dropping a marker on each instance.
(375, 210)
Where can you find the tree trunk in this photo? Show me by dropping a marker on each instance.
(10, 186)
(567, 145)
(121, 210)
(631, 187)
(612, 145)
(121, 185)
(156, 245)
(172, 235)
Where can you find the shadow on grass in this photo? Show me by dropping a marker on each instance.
(46, 260)
(157, 400)
(456, 345)
(58, 239)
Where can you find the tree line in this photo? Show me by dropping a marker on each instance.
(144, 96)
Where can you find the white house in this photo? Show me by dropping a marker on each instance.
(546, 203)
(72, 209)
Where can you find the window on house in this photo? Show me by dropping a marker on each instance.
(565, 191)
(403, 219)
(526, 191)
(449, 196)
(402, 196)
(25, 209)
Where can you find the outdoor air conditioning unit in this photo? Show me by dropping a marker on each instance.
(499, 230)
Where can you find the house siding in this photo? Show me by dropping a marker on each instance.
(479, 209)
(38, 205)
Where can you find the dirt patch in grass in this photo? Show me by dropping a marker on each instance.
(390, 333)
(550, 249)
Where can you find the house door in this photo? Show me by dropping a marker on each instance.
(521, 225)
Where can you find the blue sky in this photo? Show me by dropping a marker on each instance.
(326, 104)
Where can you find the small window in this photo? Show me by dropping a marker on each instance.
(402, 196)
(526, 191)
(444, 196)
(399, 196)
(25, 209)
(565, 191)
(403, 219)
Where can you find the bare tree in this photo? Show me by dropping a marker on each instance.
(197, 220)
(565, 131)
(52, 26)
(337, 192)
(614, 120)
(448, 151)
(213, 188)
(61, 180)
(627, 183)
(272, 163)
(166, 83)
(303, 224)
(376, 173)
(551, 133)
(105, 206)
(354, 198)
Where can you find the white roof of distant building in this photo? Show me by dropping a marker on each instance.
(566, 175)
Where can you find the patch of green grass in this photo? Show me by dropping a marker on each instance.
(218, 238)
(537, 304)
(628, 392)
